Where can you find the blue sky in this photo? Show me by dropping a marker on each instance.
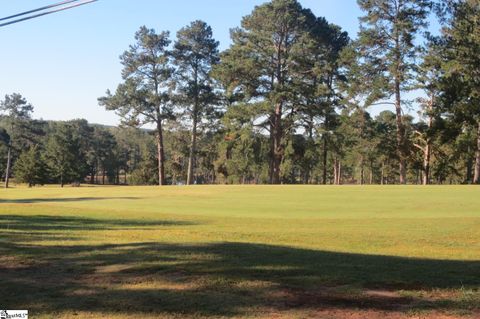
(63, 62)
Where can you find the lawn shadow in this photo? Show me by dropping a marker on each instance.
(61, 199)
(33, 224)
(224, 279)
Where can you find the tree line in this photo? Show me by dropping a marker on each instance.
(287, 102)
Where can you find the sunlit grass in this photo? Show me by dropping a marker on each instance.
(240, 251)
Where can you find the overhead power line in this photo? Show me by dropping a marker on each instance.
(39, 9)
(64, 5)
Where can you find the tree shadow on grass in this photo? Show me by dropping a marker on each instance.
(35, 223)
(222, 279)
(61, 200)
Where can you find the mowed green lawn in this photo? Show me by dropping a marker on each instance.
(241, 251)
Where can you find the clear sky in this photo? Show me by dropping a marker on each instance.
(63, 62)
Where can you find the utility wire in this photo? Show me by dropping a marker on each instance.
(73, 4)
(39, 9)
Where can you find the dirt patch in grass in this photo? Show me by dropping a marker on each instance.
(334, 303)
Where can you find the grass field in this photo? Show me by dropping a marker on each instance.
(241, 251)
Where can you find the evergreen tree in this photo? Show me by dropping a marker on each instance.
(5, 143)
(318, 77)
(18, 112)
(145, 96)
(83, 132)
(387, 44)
(30, 168)
(143, 174)
(429, 81)
(283, 65)
(130, 142)
(104, 153)
(461, 85)
(62, 155)
(195, 52)
(264, 52)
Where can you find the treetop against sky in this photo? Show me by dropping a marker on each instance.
(61, 63)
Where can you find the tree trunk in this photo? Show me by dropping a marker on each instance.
(277, 144)
(277, 81)
(398, 110)
(370, 180)
(306, 176)
(400, 134)
(7, 171)
(362, 172)
(325, 158)
(335, 171)
(428, 147)
(469, 164)
(476, 177)
(193, 150)
(160, 154)
(382, 174)
(309, 167)
(339, 177)
(426, 164)
(193, 142)
(272, 148)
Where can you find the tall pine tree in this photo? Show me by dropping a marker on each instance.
(194, 54)
(462, 68)
(145, 97)
(261, 66)
(387, 44)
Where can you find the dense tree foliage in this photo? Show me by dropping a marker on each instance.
(291, 100)
(462, 70)
(194, 53)
(145, 97)
(387, 45)
(30, 168)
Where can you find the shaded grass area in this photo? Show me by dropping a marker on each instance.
(60, 223)
(170, 265)
(225, 279)
(63, 199)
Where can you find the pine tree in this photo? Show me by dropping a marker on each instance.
(260, 67)
(62, 155)
(18, 112)
(387, 43)
(5, 141)
(462, 67)
(429, 81)
(194, 54)
(145, 96)
(30, 168)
